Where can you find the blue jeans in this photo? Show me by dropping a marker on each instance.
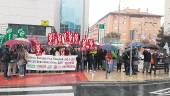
(110, 67)
(146, 66)
(21, 69)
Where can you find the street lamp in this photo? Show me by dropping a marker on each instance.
(118, 24)
(118, 17)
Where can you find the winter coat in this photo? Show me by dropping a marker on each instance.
(21, 58)
(5, 56)
(166, 59)
(147, 56)
(13, 57)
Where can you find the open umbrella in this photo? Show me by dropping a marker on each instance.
(22, 39)
(109, 47)
(135, 44)
(151, 46)
(12, 43)
(33, 41)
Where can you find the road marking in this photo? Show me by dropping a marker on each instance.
(36, 91)
(55, 94)
(163, 92)
(35, 88)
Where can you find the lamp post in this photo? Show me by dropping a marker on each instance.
(118, 23)
(118, 17)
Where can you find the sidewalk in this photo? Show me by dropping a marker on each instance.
(47, 79)
(120, 76)
(44, 79)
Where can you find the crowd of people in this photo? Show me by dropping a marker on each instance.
(151, 57)
(14, 59)
(91, 59)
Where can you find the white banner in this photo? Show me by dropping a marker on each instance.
(49, 62)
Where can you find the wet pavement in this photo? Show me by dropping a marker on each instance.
(150, 88)
(142, 89)
(76, 84)
(43, 79)
(100, 75)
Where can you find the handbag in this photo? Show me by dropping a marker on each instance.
(25, 61)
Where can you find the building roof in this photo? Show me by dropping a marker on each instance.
(134, 13)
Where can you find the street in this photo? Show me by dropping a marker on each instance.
(161, 88)
(145, 89)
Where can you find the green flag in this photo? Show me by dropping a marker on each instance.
(2, 37)
(21, 33)
(9, 34)
(9, 30)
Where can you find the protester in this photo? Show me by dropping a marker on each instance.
(78, 59)
(57, 53)
(21, 62)
(126, 60)
(93, 59)
(119, 61)
(52, 51)
(5, 61)
(166, 60)
(12, 62)
(109, 61)
(44, 51)
(104, 52)
(147, 59)
(135, 59)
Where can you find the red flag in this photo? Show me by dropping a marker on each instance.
(55, 43)
(60, 39)
(66, 36)
(38, 50)
(84, 43)
(76, 38)
(91, 43)
(70, 38)
(50, 39)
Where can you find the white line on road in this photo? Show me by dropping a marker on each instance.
(163, 92)
(36, 88)
(54, 94)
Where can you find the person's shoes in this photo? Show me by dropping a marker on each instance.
(21, 76)
(7, 78)
(127, 74)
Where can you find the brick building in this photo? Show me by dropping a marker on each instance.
(145, 25)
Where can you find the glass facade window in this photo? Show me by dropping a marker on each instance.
(29, 29)
(71, 15)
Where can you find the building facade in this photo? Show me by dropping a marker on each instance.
(74, 16)
(145, 26)
(39, 17)
(167, 18)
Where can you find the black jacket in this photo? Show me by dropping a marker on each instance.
(5, 55)
(147, 56)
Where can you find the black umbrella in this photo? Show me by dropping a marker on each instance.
(151, 46)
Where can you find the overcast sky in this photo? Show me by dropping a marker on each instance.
(99, 8)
